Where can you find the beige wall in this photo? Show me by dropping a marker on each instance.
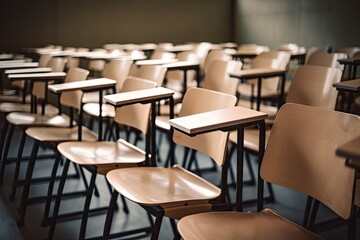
(306, 22)
(92, 23)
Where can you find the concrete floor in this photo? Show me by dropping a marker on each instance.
(288, 203)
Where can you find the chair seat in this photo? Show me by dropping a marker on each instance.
(104, 155)
(161, 186)
(32, 120)
(251, 138)
(49, 134)
(93, 109)
(19, 107)
(220, 225)
(16, 98)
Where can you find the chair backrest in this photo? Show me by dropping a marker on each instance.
(198, 100)
(201, 50)
(44, 60)
(73, 98)
(349, 51)
(117, 69)
(290, 47)
(326, 59)
(267, 62)
(161, 54)
(218, 54)
(57, 64)
(155, 73)
(252, 47)
(218, 79)
(283, 57)
(135, 115)
(313, 86)
(300, 154)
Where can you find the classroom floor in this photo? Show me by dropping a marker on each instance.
(289, 203)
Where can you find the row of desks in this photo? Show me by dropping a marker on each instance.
(227, 119)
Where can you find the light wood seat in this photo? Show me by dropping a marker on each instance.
(303, 138)
(177, 189)
(8, 107)
(174, 191)
(56, 135)
(29, 119)
(105, 155)
(254, 226)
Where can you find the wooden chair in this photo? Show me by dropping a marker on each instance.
(116, 69)
(303, 139)
(154, 73)
(39, 92)
(270, 87)
(51, 137)
(174, 79)
(312, 85)
(218, 54)
(96, 66)
(217, 79)
(11, 103)
(103, 156)
(25, 120)
(175, 192)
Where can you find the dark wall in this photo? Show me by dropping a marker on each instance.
(306, 22)
(92, 23)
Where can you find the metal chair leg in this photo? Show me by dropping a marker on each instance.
(309, 203)
(109, 215)
(6, 151)
(251, 171)
(45, 220)
(58, 200)
(17, 167)
(3, 134)
(26, 188)
(85, 216)
(156, 228)
(174, 229)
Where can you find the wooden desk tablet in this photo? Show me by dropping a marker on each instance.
(29, 70)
